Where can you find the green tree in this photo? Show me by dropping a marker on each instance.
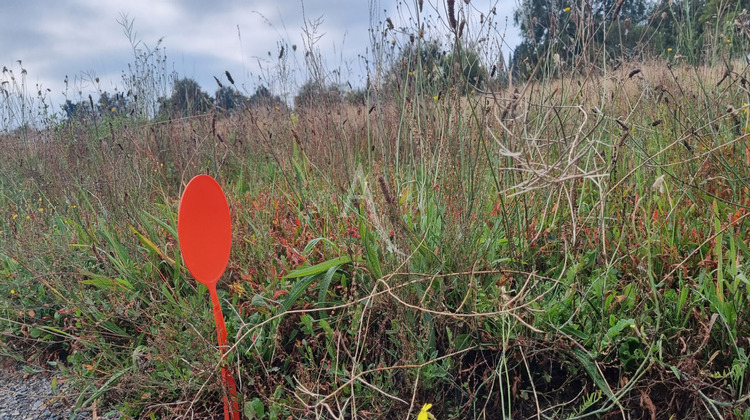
(562, 31)
(187, 99)
(419, 61)
(313, 94)
(228, 98)
(264, 97)
(115, 104)
(436, 68)
(80, 111)
(465, 69)
(71, 109)
(699, 30)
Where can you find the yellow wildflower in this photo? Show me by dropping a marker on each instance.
(424, 413)
(669, 50)
(435, 97)
(15, 216)
(566, 10)
(12, 292)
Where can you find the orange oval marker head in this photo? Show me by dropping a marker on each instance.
(204, 232)
(204, 229)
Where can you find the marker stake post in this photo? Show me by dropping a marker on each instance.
(204, 232)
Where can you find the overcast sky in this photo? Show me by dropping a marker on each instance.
(82, 39)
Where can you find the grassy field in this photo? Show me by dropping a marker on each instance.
(571, 246)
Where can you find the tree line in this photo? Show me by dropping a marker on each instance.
(187, 99)
(565, 33)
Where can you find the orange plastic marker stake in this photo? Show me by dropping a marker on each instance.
(205, 235)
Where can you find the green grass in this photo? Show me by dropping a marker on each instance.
(556, 256)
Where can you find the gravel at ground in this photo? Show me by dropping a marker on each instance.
(27, 394)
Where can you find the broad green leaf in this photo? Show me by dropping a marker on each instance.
(589, 365)
(297, 290)
(318, 268)
(107, 283)
(254, 409)
(324, 283)
(310, 245)
(570, 330)
(373, 263)
(150, 245)
(616, 329)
